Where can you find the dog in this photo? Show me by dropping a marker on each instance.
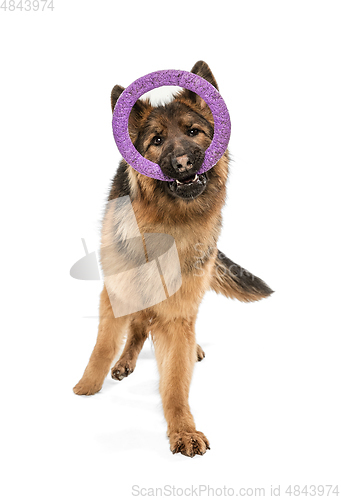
(175, 136)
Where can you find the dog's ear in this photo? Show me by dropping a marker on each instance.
(115, 94)
(201, 69)
(138, 113)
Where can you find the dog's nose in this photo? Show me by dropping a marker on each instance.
(182, 163)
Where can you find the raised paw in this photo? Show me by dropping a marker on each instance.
(122, 369)
(189, 443)
(200, 353)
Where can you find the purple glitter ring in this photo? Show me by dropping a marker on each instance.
(184, 79)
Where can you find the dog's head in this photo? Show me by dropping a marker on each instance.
(175, 136)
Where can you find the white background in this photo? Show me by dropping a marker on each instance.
(268, 393)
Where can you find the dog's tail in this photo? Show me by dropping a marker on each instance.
(236, 283)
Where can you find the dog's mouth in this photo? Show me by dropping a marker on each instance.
(188, 187)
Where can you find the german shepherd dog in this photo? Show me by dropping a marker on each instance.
(175, 136)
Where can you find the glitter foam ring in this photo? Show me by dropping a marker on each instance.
(184, 79)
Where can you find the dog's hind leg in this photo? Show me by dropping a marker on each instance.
(176, 354)
(109, 341)
(200, 353)
(137, 335)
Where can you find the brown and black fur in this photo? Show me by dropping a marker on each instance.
(175, 136)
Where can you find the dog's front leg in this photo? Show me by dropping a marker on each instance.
(109, 342)
(176, 354)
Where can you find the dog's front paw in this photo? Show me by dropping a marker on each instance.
(189, 443)
(87, 387)
(122, 369)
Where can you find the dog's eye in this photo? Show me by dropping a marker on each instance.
(157, 140)
(193, 132)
